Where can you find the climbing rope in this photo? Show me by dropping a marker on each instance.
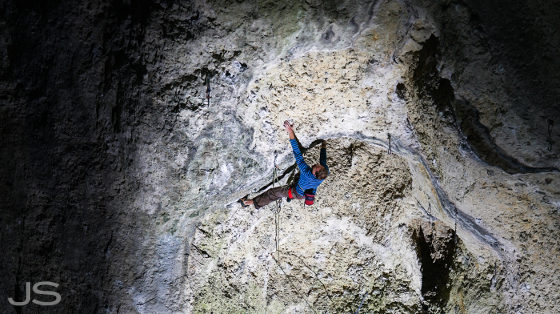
(316, 277)
(361, 303)
(278, 207)
(276, 210)
(293, 285)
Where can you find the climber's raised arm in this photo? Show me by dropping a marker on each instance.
(303, 167)
(290, 129)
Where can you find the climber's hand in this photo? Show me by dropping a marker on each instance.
(288, 126)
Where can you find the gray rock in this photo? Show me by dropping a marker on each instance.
(131, 129)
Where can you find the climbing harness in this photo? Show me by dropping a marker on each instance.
(290, 194)
(389, 141)
(549, 123)
(293, 177)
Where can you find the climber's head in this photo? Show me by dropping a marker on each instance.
(319, 172)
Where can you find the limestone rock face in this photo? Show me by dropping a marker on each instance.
(130, 130)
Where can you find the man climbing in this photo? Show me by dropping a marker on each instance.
(310, 177)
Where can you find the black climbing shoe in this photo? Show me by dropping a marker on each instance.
(242, 201)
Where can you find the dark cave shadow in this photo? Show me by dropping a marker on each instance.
(435, 271)
(429, 84)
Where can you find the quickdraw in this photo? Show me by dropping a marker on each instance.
(389, 144)
(207, 81)
(550, 123)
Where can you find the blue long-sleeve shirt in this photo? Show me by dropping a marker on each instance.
(306, 178)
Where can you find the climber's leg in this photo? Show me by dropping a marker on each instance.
(246, 202)
(270, 196)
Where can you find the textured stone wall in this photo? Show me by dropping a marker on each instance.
(131, 128)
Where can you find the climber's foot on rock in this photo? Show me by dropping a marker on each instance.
(245, 202)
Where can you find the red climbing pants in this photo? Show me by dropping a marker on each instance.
(273, 194)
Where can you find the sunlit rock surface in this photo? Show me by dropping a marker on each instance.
(131, 129)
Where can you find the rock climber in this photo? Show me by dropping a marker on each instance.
(310, 177)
